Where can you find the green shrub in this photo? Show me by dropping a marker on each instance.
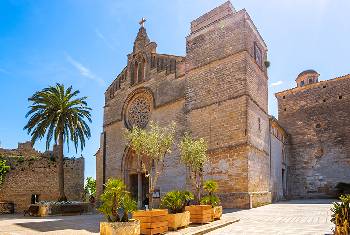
(210, 200)
(4, 169)
(20, 159)
(175, 201)
(341, 215)
(116, 201)
(210, 186)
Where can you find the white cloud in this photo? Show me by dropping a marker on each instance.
(278, 83)
(84, 71)
(103, 38)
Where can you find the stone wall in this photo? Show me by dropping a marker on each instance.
(35, 173)
(317, 118)
(217, 92)
(226, 99)
(278, 155)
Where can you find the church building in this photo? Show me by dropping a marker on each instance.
(217, 91)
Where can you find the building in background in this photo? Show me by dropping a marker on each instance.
(33, 177)
(316, 116)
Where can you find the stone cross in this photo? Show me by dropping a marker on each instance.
(142, 22)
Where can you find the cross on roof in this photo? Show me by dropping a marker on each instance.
(142, 22)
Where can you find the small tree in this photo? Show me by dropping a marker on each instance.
(116, 199)
(175, 201)
(90, 188)
(193, 155)
(210, 186)
(150, 147)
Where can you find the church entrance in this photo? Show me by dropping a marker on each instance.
(133, 188)
(136, 180)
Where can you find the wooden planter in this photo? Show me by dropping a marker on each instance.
(120, 228)
(152, 221)
(178, 220)
(217, 212)
(200, 214)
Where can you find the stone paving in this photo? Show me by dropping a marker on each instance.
(291, 217)
(302, 217)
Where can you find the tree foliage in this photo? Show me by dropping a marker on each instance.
(175, 201)
(57, 113)
(90, 187)
(193, 155)
(210, 186)
(4, 169)
(150, 146)
(116, 201)
(341, 215)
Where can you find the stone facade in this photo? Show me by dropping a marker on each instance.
(218, 91)
(35, 173)
(279, 161)
(316, 116)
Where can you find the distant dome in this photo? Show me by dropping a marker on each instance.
(307, 72)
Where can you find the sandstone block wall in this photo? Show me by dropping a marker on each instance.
(226, 99)
(317, 118)
(218, 92)
(37, 174)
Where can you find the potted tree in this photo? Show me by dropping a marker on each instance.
(193, 155)
(151, 146)
(175, 202)
(341, 215)
(116, 206)
(210, 186)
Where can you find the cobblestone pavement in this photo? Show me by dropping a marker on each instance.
(292, 217)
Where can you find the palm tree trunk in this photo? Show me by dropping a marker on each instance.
(60, 170)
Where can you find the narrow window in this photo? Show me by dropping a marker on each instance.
(302, 83)
(257, 54)
(284, 97)
(285, 109)
(310, 80)
(324, 100)
(259, 124)
(340, 97)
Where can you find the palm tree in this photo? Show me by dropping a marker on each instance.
(57, 113)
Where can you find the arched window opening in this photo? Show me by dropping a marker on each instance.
(136, 65)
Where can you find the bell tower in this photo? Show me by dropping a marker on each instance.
(226, 103)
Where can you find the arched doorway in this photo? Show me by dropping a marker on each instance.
(135, 179)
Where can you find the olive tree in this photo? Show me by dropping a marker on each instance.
(193, 156)
(151, 146)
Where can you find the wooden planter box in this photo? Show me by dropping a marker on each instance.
(120, 228)
(200, 214)
(217, 212)
(152, 221)
(178, 220)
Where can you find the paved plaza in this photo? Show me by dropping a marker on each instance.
(292, 217)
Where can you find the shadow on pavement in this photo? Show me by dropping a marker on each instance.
(87, 223)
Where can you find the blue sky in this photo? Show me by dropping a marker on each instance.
(84, 43)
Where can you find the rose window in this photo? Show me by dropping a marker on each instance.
(138, 113)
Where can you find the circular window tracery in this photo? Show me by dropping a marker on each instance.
(138, 112)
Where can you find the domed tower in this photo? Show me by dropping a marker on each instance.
(307, 77)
